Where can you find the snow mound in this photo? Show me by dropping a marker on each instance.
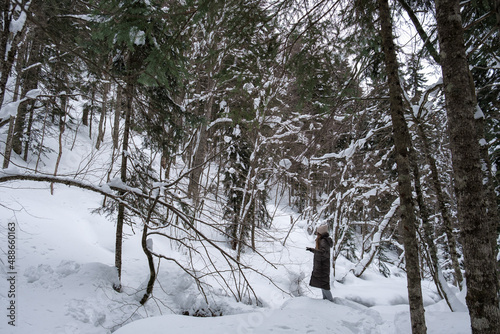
(298, 315)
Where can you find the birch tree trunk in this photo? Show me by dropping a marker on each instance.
(402, 141)
(479, 259)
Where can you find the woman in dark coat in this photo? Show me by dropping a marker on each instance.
(320, 277)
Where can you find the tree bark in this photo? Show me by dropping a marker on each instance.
(100, 135)
(148, 251)
(4, 31)
(29, 79)
(199, 153)
(118, 111)
(129, 95)
(62, 127)
(151, 265)
(402, 141)
(8, 144)
(8, 57)
(490, 197)
(31, 114)
(479, 259)
(5, 67)
(90, 114)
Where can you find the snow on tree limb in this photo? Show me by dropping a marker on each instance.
(377, 237)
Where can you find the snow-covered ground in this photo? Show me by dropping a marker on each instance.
(65, 257)
(64, 269)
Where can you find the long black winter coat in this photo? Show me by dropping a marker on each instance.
(320, 277)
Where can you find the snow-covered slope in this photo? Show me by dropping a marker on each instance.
(64, 269)
(300, 315)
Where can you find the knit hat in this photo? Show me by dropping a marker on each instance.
(322, 229)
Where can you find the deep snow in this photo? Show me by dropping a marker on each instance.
(65, 269)
(65, 257)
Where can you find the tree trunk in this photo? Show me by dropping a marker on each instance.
(490, 197)
(44, 125)
(85, 117)
(151, 265)
(118, 110)
(28, 131)
(402, 143)
(62, 127)
(100, 135)
(22, 112)
(22, 57)
(198, 158)
(91, 112)
(148, 249)
(8, 144)
(129, 95)
(29, 79)
(4, 31)
(200, 149)
(8, 57)
(5, 67)
(479, 259)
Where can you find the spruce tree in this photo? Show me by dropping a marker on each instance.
(402, 141)
(145, 43)
(476, 225)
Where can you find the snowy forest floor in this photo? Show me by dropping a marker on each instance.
(65, 269)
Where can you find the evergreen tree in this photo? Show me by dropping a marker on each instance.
(143, 39)
(477, 230)
(402, 141)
